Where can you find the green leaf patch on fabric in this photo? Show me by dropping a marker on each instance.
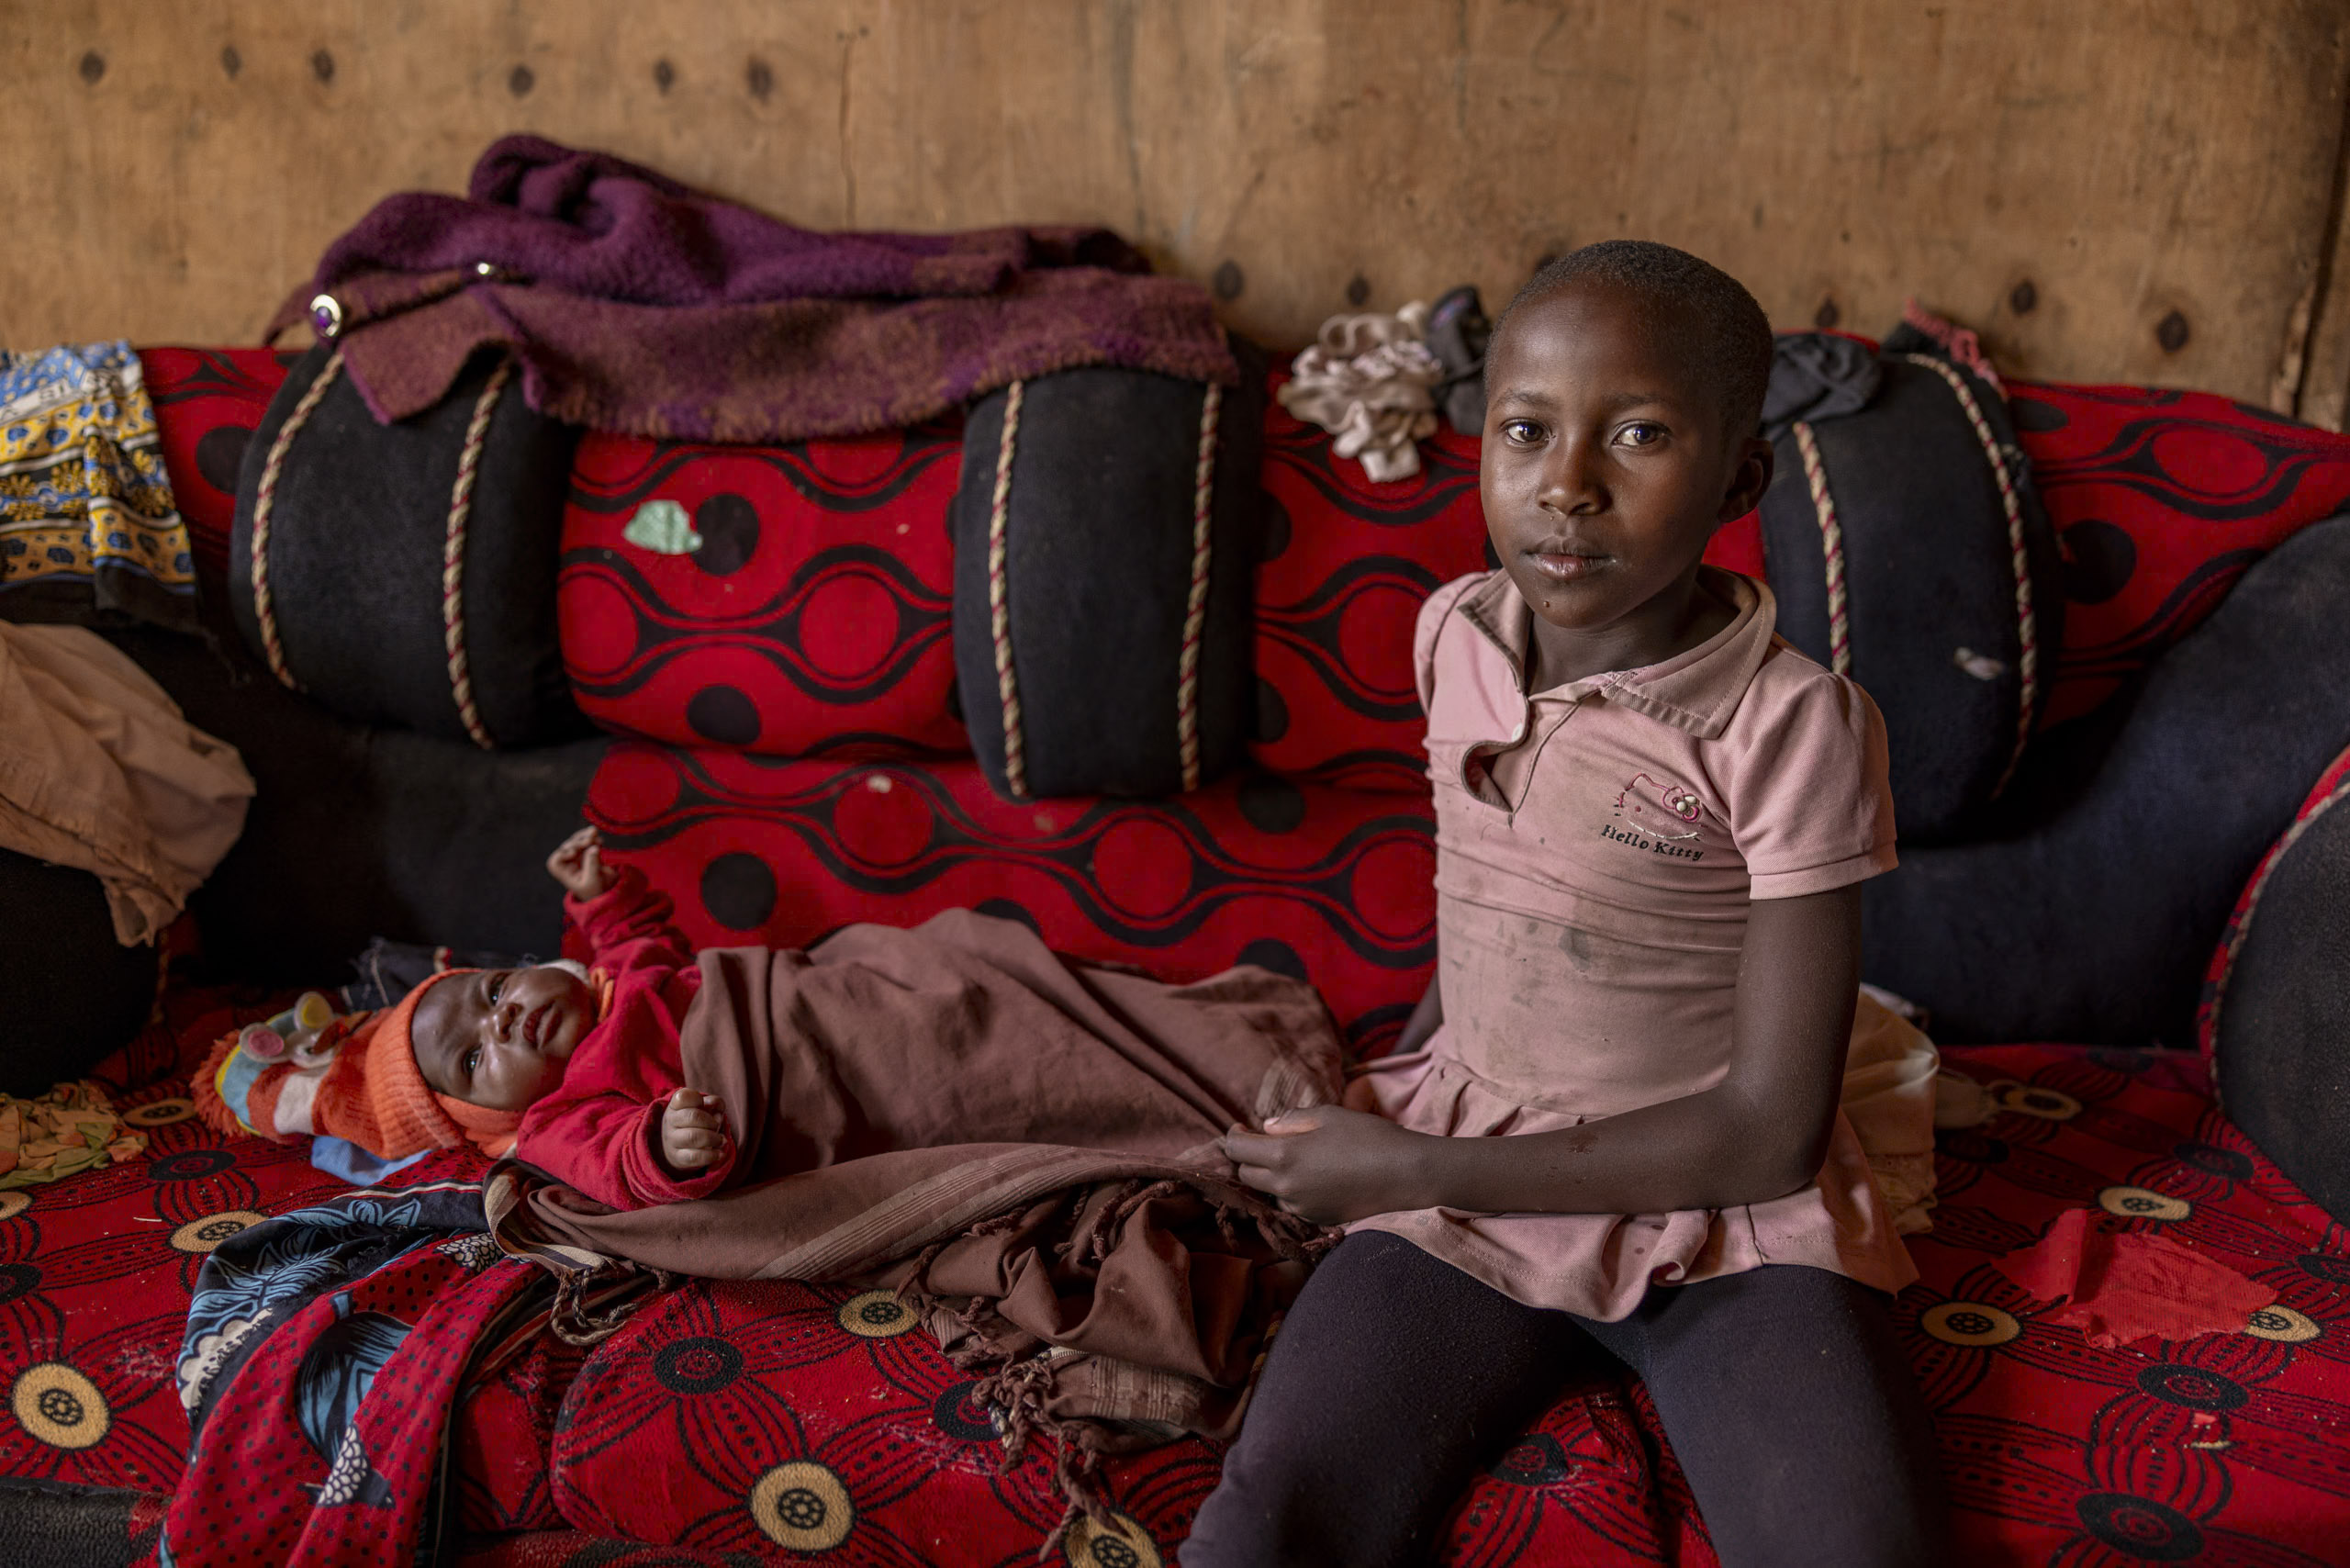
(662, 528)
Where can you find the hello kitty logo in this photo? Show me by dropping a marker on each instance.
(1662, 810)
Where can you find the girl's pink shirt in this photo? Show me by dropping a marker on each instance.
(1597, 847)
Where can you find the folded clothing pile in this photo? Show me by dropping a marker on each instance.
(71, 1129)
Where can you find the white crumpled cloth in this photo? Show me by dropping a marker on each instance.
(99, 770)
(1889, 1097)
(1371, 381)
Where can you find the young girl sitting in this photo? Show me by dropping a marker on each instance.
(1611, 1129)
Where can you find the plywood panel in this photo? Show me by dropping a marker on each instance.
(175, 167)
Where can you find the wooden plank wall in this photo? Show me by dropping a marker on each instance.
(2142, 190)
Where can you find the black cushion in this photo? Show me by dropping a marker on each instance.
(2282, 1035)
(1930, 578)
(357, 833)
(358, 529)
(1098, 566)
(73, 993)
(2091, 902)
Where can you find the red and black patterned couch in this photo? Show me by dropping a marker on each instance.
(781, 1421)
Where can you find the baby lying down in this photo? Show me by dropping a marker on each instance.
(966, 1031)
(585, 1072)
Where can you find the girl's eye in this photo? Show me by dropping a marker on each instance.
(473, 1060)
(1641, 435)
(1521, 432)
(497, 984)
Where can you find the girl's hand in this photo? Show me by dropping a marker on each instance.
(1332, 1165)
(693, 1131)
(578, 864)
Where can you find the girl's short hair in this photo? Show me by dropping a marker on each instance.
(1725, 332)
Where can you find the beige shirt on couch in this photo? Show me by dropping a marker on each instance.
(99, 770)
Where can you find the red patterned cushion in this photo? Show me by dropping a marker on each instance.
(809, 615)
(1324, 883)
(208, 404)
(2161, 499)
(1346, 565)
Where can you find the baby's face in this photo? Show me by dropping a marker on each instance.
(500, 1039)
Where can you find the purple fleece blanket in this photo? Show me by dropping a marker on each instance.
(635, 304)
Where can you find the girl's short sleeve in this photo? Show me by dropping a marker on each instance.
(1811, 809)
(1434, 609)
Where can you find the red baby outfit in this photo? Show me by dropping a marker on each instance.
(601, 1130)
(1597, 847)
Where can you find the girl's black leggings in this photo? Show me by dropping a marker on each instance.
(1783, 1391)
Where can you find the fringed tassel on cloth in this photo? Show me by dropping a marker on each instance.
(583, 1316)
(1020, 1392)
(1017, 1372)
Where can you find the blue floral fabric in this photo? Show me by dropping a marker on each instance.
(258, 1280)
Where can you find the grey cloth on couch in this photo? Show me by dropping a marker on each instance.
(1815, 376)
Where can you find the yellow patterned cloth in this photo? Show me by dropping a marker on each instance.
(88, 528)
(71, 1129)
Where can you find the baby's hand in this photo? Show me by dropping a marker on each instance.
(693, 1131)
(578, 864)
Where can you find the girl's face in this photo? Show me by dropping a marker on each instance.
(500, 1038)
(1606, 465)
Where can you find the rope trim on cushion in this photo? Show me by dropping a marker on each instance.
(2028, 640)
(1187, 680)
(452, 555)
(1015, 767)
(2331, 787)
(273, 645)
(1832, 550)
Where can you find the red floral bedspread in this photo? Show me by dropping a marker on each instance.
(777, 1419)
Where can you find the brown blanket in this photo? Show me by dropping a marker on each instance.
(1024, 1147)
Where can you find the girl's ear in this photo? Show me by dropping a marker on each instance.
(1756, 464)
